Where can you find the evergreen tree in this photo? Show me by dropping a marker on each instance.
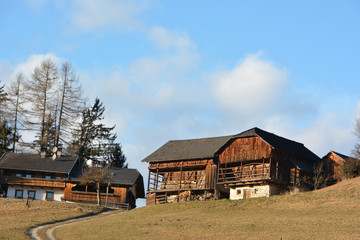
(116, 156)
(5, 137)
(93, 140)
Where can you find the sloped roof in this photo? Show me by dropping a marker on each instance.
(281, 143)
(176, 150)
(344, 157)
(33, 162)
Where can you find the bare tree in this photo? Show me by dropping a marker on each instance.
(97, 176)
(70, 104)
(356, 150)
(41, 93)
(3, 99)
(16, 107)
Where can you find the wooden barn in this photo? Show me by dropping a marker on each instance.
(254, 163)
(183, 170)
(125, 186)
(333, 162)
(41, 177)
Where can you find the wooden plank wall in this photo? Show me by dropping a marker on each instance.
(244, 149)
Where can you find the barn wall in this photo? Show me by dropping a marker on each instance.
(245, 149)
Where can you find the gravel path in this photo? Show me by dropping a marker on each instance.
(34, 232)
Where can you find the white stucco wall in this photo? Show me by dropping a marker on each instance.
(40, 193)
(255, 191)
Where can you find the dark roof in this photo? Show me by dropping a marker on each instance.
(344, 157)
(281, 143)
(33, 162)
(176, 150)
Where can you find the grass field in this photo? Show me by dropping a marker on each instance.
(330, 213)
(16, 218)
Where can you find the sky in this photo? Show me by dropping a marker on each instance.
(169, 70)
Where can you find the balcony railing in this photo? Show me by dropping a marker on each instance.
(244, 173)
(38, 182)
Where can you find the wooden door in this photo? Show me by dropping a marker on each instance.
(247, 193)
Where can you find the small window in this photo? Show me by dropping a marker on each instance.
(58, 178)
(18, 175)
(49, 196)
(31, 194)
(28, 175)
(47, 177)
(256, 190)
(238, 192)
(19, 193)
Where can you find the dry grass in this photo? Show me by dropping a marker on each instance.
(16, 218)
(331, 213)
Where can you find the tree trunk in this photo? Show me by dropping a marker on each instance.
(98, 193)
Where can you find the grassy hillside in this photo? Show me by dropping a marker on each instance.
(16, 218)
(331, 213)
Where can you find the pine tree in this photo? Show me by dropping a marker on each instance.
(92, 138)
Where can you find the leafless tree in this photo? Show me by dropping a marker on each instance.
(3, 99)
(16, 107)
(97, 176)
(356, 150)
(70, 104)
(41, 93)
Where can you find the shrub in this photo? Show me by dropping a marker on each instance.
(351, 168)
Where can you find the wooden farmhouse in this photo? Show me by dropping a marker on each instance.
(254, 163)
(42, 177)
(333, 162)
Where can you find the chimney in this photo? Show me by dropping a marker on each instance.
(59, 151)
(43, 153)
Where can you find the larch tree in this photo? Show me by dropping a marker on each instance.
(356, 150)
(70, 104)
(16, 107)
(5, 128)
(41, 94)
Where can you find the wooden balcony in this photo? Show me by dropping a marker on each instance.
(79, 196)
(244, 173)
(35, 182)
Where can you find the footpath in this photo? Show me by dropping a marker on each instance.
(45, 232)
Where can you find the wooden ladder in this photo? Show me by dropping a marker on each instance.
(161, 198)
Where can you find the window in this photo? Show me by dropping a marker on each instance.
(49, 196)
(28, 175)
(18, 175)
(58, 178)
(31, 194)
(47, 177)
(18, 193)
(238, 191)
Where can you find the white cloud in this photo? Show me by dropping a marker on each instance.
(89, 15)
(165, 39)
(254, 85)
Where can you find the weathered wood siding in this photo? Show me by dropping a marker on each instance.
(245, 149)
(118, 196)
(333, 164)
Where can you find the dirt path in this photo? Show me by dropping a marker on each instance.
(45, 232)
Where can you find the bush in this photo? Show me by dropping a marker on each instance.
(351, 168)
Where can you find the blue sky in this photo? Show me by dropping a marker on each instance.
(190, 69)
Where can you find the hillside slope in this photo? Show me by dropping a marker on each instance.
(330, 213)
